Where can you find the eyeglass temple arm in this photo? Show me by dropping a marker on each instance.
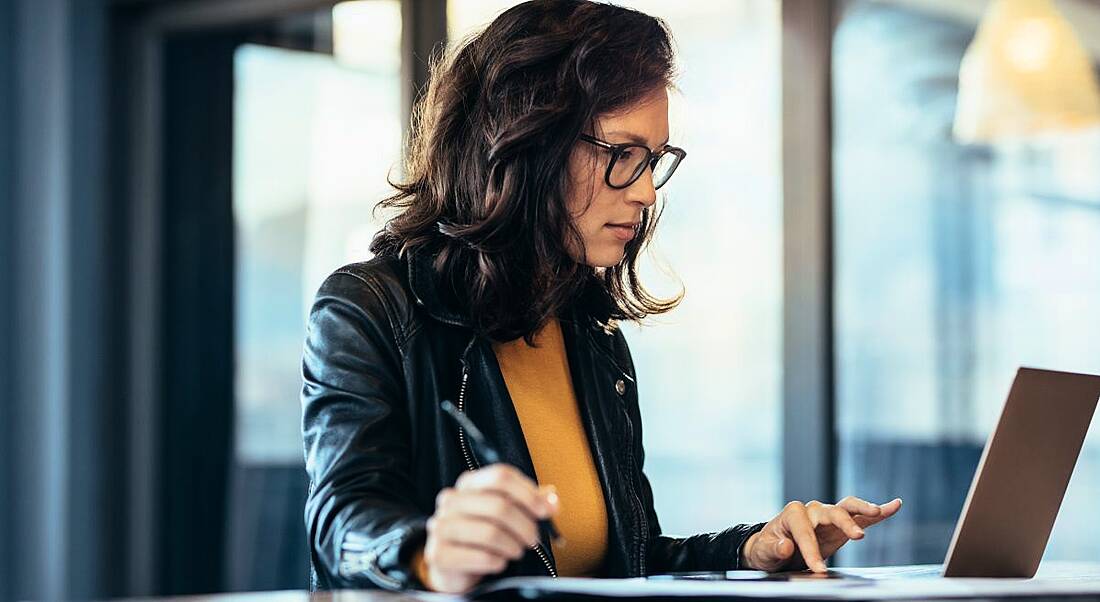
(597, 142)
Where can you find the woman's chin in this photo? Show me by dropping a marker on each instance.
(606, 258)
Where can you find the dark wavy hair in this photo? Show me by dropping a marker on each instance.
(487, 168)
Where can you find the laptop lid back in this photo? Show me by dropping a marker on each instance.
(1022, 475)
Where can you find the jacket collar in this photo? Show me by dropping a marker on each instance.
(425, 289)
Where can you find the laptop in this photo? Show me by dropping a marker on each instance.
(1019, 483)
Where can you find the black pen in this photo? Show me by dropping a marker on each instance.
(487, 452)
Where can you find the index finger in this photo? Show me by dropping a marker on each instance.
(797, 521)
(507, 480)
(888, 509)
(854, 505)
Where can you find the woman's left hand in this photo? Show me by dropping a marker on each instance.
(804, 535)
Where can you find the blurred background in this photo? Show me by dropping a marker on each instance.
(888, 207)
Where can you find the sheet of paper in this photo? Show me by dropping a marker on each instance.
(826, 589)
(912, 571)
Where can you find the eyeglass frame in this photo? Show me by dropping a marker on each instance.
(651, 159)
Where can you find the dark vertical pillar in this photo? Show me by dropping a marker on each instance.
(135, 105)
(58, 428)
(40, 309)
(197, 302)
(95, 426)
(423, 31)
(809, 455)
(7, 249)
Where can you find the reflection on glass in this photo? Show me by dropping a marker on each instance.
(954, 266)
(709, 372)
(313, 143)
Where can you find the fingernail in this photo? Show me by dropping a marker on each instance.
(859, 532)
(821, 567)
(550, 498)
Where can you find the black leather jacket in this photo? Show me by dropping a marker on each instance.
(382, 351)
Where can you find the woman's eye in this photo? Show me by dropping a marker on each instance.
(626, 153)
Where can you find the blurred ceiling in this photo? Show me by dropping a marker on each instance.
(1084, 15)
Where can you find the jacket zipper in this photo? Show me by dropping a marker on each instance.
(471, 464)
(634, 493)
(630, 455)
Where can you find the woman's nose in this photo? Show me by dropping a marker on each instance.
(642, 190)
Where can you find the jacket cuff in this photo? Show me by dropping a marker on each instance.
(385, 560)
(749, 532)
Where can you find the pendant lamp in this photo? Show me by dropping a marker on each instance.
(1025, 74)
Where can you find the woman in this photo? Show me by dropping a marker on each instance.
(531, 188)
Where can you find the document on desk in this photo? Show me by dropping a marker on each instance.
(826, 589)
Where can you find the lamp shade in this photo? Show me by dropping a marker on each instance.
(1026, 73)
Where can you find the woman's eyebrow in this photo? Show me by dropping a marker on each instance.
(633, 137)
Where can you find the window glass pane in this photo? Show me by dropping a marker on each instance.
(465, 17)
(314, 140)
(955, 265)
(709, 372)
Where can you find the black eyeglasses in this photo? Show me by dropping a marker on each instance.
(628, 161)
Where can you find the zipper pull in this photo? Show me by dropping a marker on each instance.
(466, 352)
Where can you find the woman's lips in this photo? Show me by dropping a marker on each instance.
(622, 232)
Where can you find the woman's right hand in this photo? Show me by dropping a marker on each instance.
(487, 519)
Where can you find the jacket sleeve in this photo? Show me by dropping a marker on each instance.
(714, 551)
(362, 522)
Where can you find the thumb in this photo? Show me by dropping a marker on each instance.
(784, 548)
(772, 552)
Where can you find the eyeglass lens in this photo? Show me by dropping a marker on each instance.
(631, 161)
